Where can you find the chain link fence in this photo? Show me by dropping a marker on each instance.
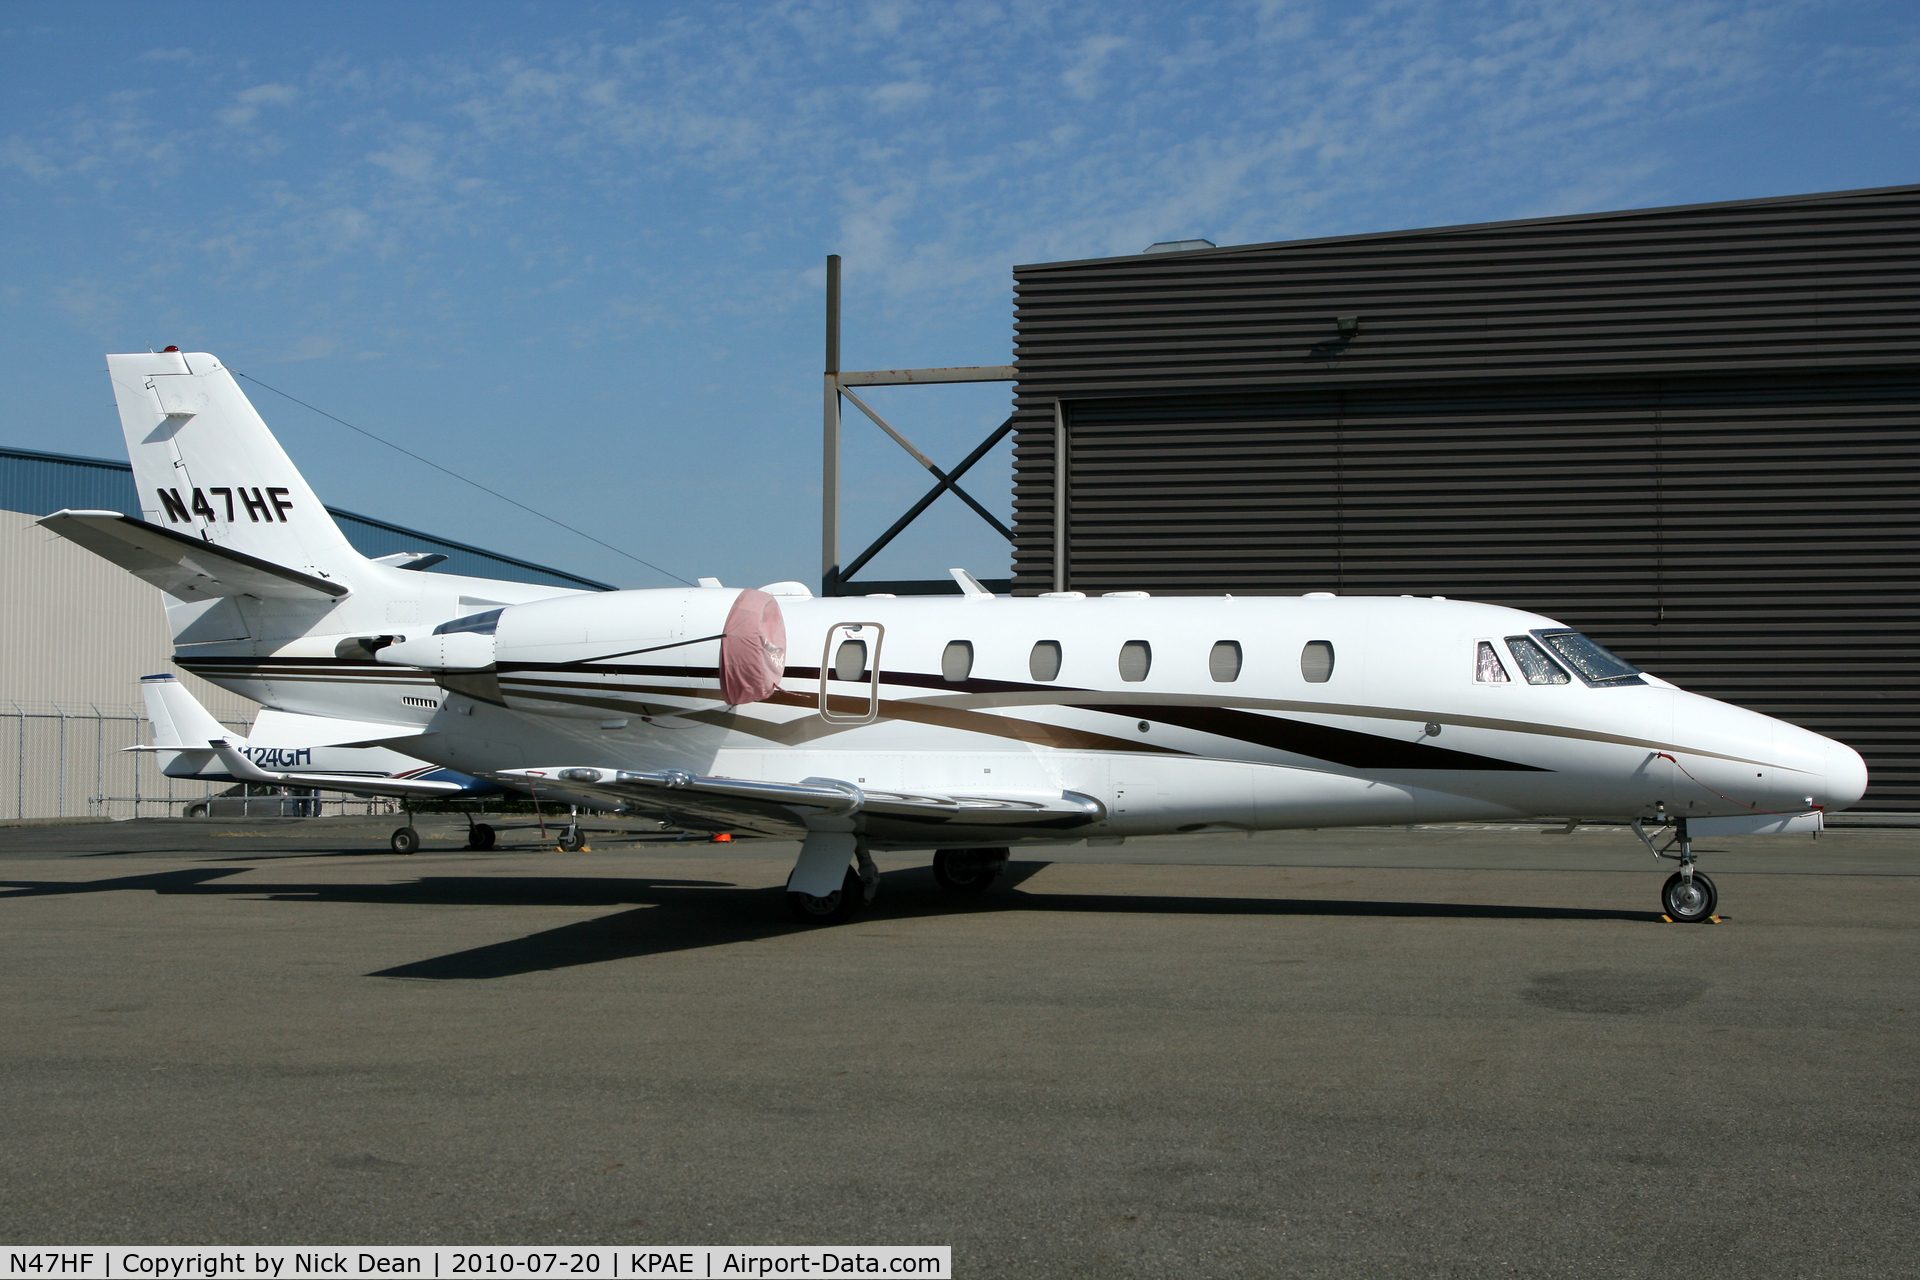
(62, 760)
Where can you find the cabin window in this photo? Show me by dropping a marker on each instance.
(483, 624)
(956, 661)
(1593, 663)
(1136, 659)
(1044, 662)
(1223, 664)
(850, 660)
(1316, 661)
(1535, 665)
(1487, 667)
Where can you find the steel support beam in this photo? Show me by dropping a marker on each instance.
(830, 440)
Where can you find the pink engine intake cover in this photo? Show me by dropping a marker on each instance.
(753, 649)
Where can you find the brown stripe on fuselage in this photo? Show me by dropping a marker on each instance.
(794, 732)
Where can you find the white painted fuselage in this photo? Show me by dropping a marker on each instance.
(1400, 730)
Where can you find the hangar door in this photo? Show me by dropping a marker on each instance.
(1754, 538)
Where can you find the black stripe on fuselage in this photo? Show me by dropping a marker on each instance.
(1349, 747)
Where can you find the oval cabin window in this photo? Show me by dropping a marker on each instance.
(1136, 659)
(1316, 661)
(956, 661)
(1044, 662)
(1223, 664)
(850, 660)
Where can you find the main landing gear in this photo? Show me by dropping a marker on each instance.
(480, 836)
(406, 840)
(836, 908)
(968, 870)
(858, 886)
(1689, 895)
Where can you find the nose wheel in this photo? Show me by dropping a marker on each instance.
(1689, 899)
(1689, 895)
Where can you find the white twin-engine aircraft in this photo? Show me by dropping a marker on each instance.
(961, 725)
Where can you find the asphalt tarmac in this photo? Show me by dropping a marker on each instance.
(1447, 1052)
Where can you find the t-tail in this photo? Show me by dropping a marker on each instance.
(207, 465)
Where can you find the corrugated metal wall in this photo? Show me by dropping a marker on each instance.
(1693, 433)
(80, 632)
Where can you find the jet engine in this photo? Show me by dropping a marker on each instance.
(710, 643)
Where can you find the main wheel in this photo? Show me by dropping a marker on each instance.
(480, 836)
(968, 870)
(1689, 902)
(405, 840)
(573, 839)
(836, 908)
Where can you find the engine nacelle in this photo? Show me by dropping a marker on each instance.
(704, 643)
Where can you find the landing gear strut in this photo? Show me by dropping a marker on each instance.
(1689, 896)
(573, 839)
(968, 870)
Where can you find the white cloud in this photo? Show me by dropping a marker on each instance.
(1082, 76)
(900, 93)
(247, 103)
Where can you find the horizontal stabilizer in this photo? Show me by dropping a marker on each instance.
(779, 808)
(238, 766)
(185, 568)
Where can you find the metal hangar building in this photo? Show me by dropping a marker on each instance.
(1693, 433)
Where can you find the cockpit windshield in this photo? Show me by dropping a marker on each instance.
(1593, 664)
(481, 624)
(1535, 665)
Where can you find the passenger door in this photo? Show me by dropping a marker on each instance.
(850, 673)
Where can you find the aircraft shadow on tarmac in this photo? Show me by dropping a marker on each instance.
(682, 915)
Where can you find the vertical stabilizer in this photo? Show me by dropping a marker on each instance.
(179, 720)
(177, 716)
(207, 466)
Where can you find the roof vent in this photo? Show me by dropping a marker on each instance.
(1179, 246)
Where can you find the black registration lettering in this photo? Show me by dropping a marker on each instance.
(201, 507)
(280, 504)
(228, 495)
(176, 509)
(256, 506)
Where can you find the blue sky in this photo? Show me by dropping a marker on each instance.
(575, 251)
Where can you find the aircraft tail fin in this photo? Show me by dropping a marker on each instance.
(208, 467)
(177, 717)
(179, 721)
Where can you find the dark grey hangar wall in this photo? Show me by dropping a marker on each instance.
(1693, 433)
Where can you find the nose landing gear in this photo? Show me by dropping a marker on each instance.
(1689, 896)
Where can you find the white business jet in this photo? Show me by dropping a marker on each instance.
(961, 725)
(300, 751)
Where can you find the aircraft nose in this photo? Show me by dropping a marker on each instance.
(1846, 775)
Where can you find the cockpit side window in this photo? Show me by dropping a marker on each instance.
(1487, 667)
(1535, 665)
(482, 624)
(1593, 664)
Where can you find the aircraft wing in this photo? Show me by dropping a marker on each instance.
(183, 567)
(245, 770)
(781, 808)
